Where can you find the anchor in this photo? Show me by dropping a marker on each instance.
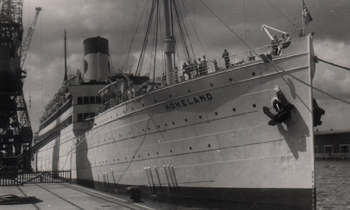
(281, 107)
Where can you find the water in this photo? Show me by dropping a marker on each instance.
(332, 184)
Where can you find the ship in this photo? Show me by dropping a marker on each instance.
(242, 132)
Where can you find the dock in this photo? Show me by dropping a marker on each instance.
(61, 196)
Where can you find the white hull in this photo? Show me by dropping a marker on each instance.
(206, 133)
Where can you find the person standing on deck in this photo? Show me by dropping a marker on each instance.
(226, 57)
(274, 44)
(205, 65)
(216, 65)
(195, 68)
(200, 66)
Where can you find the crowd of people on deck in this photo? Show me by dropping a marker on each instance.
(279, 44)
(200, 66)
(196, 68)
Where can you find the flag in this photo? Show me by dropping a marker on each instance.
(306, 14)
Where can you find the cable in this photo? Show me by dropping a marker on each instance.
(284, 16)
(315, 88)
(274, 65)
(226, 25)
(133, 38)
(194, 29)
(333, 64)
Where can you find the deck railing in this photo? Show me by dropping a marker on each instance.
(179, 75)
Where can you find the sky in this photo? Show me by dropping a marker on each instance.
(116, 20)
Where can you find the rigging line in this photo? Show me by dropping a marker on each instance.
(186, 31)
(172, 28)
(187, 53)
(133, 38)
(245, 24)
(156, 44)
(226, 25)
(333, 64)
(137, 149)
(121, 46)
(319, 90)
(284, 15)
(172, 16)
(75, 146)
(145, 41)
(195, 31)
(183, 42)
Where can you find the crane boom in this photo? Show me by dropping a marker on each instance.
(28, 37)
(265, 27)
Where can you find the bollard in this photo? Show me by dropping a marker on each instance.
(135, 193)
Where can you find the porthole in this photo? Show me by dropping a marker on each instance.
(170, 96)
(158, 126)
(190, 148)
(253, 73)
(230, 79)
(200, 116)
(143, 105)
(234, 109)
(254, 105)
(185, 120)
(209, 145)
(166, 124)
(149, 129)
(155, 101)
(139, 155)
(114, 160)
(148, 154)
(173, 123)
(157, 153)
(211, 84)
(189, 90)
(216, 113)
(125, 158)
(171, 151)
(132, 108)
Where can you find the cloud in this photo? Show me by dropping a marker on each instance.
(328, 78)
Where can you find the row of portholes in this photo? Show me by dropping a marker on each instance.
(186, 120)
(133, 157)
(155, 101)
(230, 79)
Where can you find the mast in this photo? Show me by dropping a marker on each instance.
(65, 56)
(169, 45)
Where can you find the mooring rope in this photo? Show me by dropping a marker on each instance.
(333, 64)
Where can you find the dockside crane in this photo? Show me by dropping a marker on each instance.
(26, 42)
(15, 129)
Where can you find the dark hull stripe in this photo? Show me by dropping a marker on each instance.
(222, 198)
